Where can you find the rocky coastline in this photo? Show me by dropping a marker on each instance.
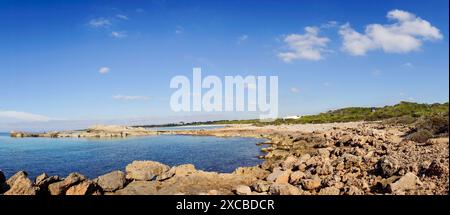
(97, 131)
(329, 159)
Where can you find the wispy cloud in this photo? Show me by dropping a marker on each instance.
(408, 64)
(104, 70)
(23, 116)
(308, 46)
(130, 98)
(405, 35)
(242, 39)
(329, 24)
(179, 29)
(376, 72)
(118, 34)
(123, 17)
(295, 90)
(99, 23)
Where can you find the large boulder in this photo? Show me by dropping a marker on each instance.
(43, 180)
(20, 184)
(408, 182)
(145, 170)
(84, 188)
(112, 181)
(60, 188)
(181, 170)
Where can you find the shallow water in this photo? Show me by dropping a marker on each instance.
(94, 157)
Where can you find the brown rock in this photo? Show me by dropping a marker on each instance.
(311, 184)
(139, 188)
(284, 189)
(145, 170)
(20, 184)
(242, 190)
(261, 186)
(112, 181)
(387, 166)
(329, 191)
(279, 176)
(295, 177)
(60, 188)
(83, 188)
(408, 182)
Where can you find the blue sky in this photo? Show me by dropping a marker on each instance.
(69, 64)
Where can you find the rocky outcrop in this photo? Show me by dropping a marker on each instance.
(20, 184)
(97, 131)
(145, 170)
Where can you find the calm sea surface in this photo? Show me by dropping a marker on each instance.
(94, 157)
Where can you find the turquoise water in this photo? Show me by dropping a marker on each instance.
(94, 157)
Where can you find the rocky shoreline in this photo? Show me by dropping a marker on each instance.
(328, 159)
(98, 131)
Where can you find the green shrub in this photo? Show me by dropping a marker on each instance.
(421, 136)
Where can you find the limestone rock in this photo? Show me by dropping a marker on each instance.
(112, 181)
(295, 177)
(284, 189)
(20, 184)
(83, 188)
(261, 186)
(256, 172)
(145, 170)
(139, 188)
(311, 184)
(242, 190)
(329, 191)
(388, 166)
(279, 176)
(408, 182)
(61, 187)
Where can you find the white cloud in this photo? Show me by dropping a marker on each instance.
(329, 24)
(100, 22)
(308, 46)
(295, 90)
(408, 64)
(242, 38)
(23, 116)
(104, 70)
(405, 35)
(179, 30)
(121, 16)
(129, 98)
(118, 34)
(376, 72)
